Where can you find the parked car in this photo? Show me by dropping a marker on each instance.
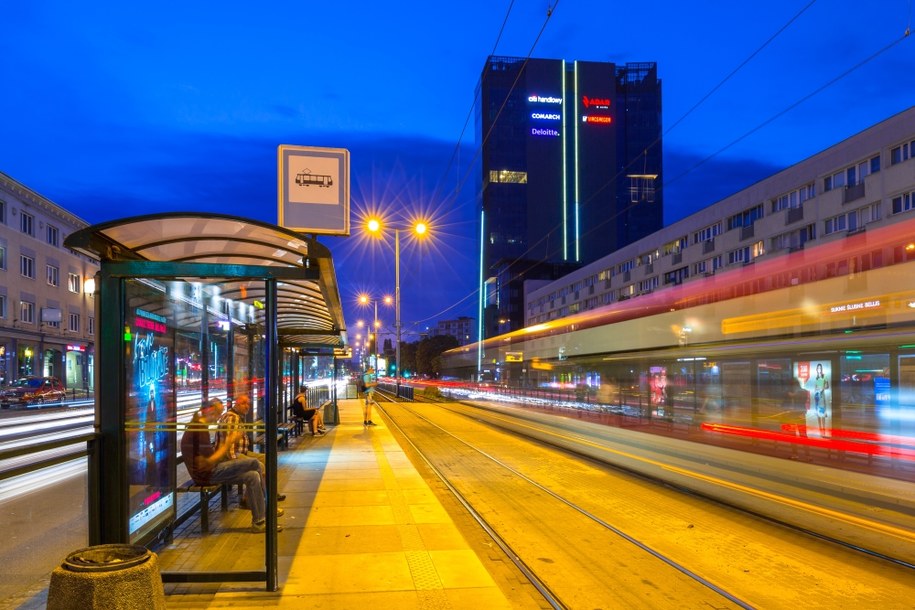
(27, 391)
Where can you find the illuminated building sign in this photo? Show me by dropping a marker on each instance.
(546, 116)
(594, 119)
(539, 99)
(535, 131)
(76, 348)
(595, 102)
(854, 306)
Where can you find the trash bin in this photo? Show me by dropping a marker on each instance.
(115, 576)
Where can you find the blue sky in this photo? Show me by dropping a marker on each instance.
(116, 109)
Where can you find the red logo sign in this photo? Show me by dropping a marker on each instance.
(595, 102)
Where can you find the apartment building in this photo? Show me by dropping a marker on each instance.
(866, 180)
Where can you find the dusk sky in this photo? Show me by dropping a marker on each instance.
(118, 109)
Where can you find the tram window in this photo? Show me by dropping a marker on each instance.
(858, 379)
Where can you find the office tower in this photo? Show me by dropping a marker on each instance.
(570, 159)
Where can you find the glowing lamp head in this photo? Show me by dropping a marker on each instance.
(421, 228)
(374, 225)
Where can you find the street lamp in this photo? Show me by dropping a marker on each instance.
(419, 228)
(365, 299)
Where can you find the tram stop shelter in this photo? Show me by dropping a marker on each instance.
(190, 307)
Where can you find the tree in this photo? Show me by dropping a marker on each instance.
(428, 352)
(408, 357)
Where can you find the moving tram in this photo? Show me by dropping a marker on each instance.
(814, 347)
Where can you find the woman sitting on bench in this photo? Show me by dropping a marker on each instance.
(302, 410)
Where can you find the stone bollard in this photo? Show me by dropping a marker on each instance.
(108, 576)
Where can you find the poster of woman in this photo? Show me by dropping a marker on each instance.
(816, 377)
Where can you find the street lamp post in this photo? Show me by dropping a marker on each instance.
(365, 299)
(419, 228)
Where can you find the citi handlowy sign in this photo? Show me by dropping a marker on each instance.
(543, 99)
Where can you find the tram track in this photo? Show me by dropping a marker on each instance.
(625, 540)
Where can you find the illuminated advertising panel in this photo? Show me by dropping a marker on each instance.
(595, 110)
(815, 376)
(545, 115)
(149, 343)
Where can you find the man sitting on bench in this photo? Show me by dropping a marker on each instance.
(209, 466)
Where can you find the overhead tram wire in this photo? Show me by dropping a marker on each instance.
(550, 11)
(457, 147)
(754, 129)
(677, 122)
(479, 149)
(695, 106)
(792, 106)
(742, 137)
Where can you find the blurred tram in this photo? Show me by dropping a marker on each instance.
(814, 347)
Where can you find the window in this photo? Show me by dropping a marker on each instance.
(675, 246)
(26, 266)
(740, 255)
(506, 176)
(53, 235)
(745, 218)
(2, 257)
(26, 312)
(53, 276)
(835, 224)
(868, 214)
(3, 306)
(707, 233)
(649, 284)
(902, 153)
(73, 283)
(709, 265)
(903, 203)
(676, 276)
(26, 223)
(73, 323)
(794, 198)
(2, 211)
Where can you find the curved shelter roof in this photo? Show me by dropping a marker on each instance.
(309, 311)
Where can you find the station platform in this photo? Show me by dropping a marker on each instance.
(362, 529)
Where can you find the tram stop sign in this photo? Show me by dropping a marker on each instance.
(313, 189)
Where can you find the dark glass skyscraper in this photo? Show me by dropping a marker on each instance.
(571, 156)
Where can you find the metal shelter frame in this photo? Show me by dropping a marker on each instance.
(271, 281)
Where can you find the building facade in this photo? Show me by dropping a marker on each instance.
(462, 329)
(866, 180)
(570, 155)
(47, 319)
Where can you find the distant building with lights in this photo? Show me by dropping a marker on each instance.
(864, 182)
(570, 158)
(47, 310)
(463, 329)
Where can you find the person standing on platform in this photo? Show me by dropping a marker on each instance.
(210, 466)
(370, 382)
(231, 426)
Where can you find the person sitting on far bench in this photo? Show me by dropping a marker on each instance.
(302, 410)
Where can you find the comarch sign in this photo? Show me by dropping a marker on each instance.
(546, 116)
